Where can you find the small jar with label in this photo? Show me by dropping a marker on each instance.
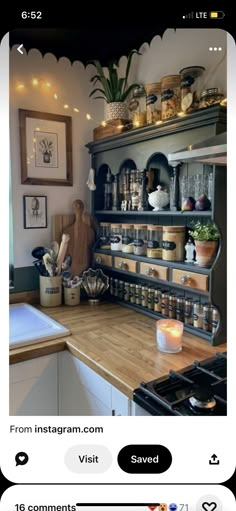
(144, 296)
(116, 237)
(138, 105)
(154, 241)
(140, 240)
(157, 300)
(165, 303)
(188, 311)
(215, 319)
(197, 314)
(132, 298)
(127, 238)
(190, 87)
(173, 243)
(138, 294)
(172, 306)
(153, 101)
(126, 292)
(211, 97)
(150, 300)
(170, 96)
(104, 235)
(121, 289)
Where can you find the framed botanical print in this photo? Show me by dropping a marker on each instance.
(46, 148)
(35, 211)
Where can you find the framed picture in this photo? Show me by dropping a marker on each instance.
(35, 211)
(46, 148)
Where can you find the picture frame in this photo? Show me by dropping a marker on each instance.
(35, 211)
(45, 148)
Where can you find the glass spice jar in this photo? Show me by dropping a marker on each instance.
(116, 237)
(132, 297)
(170, 96)
(154, 241)
(104, 235)
(153, 101)
(211, 97)
(139, 113)
(173, 243)
(190, 87)
(144, 296)
(140, 239)
(157, 300)
(127, 238)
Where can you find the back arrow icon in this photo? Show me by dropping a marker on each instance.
(19, 49)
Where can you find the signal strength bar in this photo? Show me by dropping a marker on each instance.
(188, 16)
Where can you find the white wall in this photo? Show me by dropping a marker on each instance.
(71, 82)
(166, 55)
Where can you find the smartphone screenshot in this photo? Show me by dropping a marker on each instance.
(117, 359)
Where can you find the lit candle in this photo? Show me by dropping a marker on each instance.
(169, 335)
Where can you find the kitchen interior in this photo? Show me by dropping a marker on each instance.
(118, 229)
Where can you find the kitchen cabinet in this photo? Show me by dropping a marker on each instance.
(148, 148)
(84, 392)
(33, 387)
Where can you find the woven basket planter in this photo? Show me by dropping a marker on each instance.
(116, 110)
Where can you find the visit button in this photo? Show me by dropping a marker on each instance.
(144, 459)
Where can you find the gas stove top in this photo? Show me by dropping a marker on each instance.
(200, 389)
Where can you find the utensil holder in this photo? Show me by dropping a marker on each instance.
(50, 291)
(72, 295)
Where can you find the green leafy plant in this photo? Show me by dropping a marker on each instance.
(114, 89)
(204, 232)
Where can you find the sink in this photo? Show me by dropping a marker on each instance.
(27, 325)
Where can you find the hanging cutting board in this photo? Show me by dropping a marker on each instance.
(80, 229)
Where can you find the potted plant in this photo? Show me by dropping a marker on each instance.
(114, 90)
(206, 237)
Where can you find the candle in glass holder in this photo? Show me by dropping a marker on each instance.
(169, 335)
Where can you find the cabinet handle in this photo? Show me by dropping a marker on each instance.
(150, 271)
(185, 279)
(98, 260)
(122, 265)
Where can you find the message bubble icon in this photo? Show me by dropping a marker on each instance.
(21, 458)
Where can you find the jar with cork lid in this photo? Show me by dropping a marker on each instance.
(116, 237)
(173, 243)
(170, 96)
(153, 101)
(127, 238)
(104, 235)
(154, 241)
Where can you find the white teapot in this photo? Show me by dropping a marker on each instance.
(159, 199)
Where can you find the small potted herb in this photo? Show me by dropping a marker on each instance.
(206, 238)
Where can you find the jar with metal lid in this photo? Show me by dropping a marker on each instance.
(138, 294)
(215, 318)
(172, 306)
(154, 241)
(153, 101)
(104, 235)
(132, 293)
(157, 300)
(127, 238)
(206, 320)
(170, 96)
(165, 303)
(144, 296)
(197, 314)
(180, 308)
(140, 239)
(173, 243)
(188, 311)
(126, 292)
(150, 300)
(190, 87)
(211, 97)
(137, 106)
(116, 287)
(116, 237)
(121, 289)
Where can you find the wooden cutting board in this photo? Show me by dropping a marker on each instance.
(80, 228)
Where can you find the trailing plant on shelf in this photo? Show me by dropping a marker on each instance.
(206, 237)
(113, 90)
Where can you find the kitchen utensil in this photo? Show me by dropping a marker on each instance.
(62, 251)
(55, 248)
(95, 283)
(66, 263)
(38, 252)
(49, 265)
(81, 228)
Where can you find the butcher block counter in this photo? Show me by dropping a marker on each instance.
(117, 343)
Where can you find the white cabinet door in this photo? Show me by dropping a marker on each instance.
(81, 390)
(120, 403)
(33, 387)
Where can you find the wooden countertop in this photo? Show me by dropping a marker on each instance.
(116, 342)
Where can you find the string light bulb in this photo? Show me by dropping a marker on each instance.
(35, 82)
(88, 116)
(66, 106)
(120, 126)
(103, 123)
(55, 95)
(20, 86)
(76, 110)
(48, 85)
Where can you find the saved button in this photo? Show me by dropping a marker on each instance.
(144, 459)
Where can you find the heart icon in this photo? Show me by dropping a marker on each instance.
(21, 458)
(209, 506)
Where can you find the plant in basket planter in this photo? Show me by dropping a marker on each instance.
(114, 90)
(206, 237)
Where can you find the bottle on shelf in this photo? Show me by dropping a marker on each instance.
(104, 235)
(127, 238)
(140, 239)
(116, 237)
(154, 241)
(116, 193)
(108, 190)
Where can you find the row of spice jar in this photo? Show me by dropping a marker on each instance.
(174, 94)
(156, 241)
(190, 312)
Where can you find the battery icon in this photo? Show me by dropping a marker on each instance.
(217, 15)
